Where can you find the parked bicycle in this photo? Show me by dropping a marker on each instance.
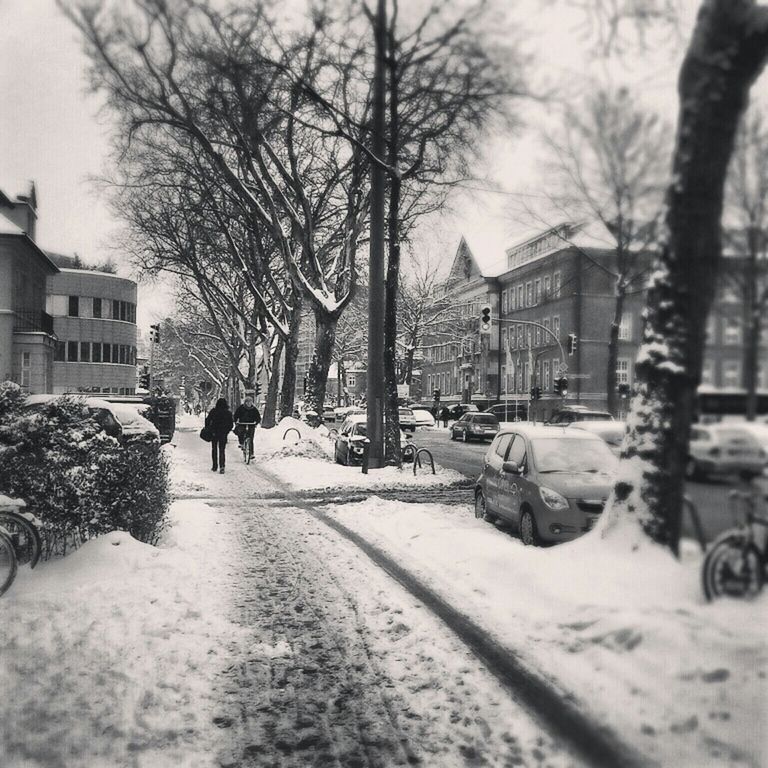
(246, 446)
(19, 545)
(736, 564)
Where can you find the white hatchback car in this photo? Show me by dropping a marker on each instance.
(723, 450)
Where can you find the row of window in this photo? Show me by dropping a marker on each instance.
(730, 374)
(108, 390)
(731, 331)
(531, 293)
(94, 352)
(105, 309)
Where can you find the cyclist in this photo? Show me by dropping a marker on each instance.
(247, 416)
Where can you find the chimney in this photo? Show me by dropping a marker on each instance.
(25, 211)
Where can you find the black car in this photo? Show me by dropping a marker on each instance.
(509, 411)
(475, 426)
(566, 416)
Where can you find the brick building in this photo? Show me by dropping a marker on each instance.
(564, 280)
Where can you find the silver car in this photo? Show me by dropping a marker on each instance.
(549, 482)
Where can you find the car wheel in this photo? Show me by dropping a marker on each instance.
(691, 469)
(481, 510)
(528, 532)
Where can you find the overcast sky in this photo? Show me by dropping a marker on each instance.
(50, 130)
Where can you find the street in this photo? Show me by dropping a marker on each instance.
(710, 497)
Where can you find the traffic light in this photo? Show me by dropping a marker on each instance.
(571, 343)
(154, 333)
(436, 394)
(561, 386)
(623, 390)
(485, 318)
(144, 379)
(535, 393)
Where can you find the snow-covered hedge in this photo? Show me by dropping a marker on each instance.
(78, 481)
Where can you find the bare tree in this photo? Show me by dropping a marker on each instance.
(726, 54)
(746, 234)
(612, 161)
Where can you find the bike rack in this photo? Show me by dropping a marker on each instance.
(409, 452)
(291, 429)
(417, 459)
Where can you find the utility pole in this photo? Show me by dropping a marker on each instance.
(375, 377)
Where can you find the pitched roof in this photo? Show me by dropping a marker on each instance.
(7, 227)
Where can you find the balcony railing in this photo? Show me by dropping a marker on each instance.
(33, 320)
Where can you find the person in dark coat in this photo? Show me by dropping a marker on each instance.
(220, 422)
(445, 414)
(246, 414)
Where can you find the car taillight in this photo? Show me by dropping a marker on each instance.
(714, 452)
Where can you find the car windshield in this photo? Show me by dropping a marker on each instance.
(552, 454)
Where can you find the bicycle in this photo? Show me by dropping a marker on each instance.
(736, 564)
(19, 545)
(247, 445)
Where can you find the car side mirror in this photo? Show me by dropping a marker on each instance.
(512, 467)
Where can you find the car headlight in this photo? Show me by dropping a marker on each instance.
(554, 500)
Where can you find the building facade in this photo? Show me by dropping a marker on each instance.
(563, 280)
(94, 318)
(26, 331)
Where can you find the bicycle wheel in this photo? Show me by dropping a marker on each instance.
(732, 568)
(248, 450)
(8, 563)
(23, 535)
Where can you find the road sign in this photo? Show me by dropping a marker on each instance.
(563, 369)
(403, 391)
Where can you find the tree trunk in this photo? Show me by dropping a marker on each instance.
(273, 388)
(317, 379)
(725, 55)
(613, 351)
(751, 326)
(288, 391)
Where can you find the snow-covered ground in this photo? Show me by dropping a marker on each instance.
(123, 654)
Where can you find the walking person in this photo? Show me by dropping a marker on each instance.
(219, 421)
(247, 416)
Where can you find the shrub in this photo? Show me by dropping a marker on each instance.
(78, 481)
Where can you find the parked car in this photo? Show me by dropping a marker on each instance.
(550, 482)
(423, 417)
(459, 409)
(100, 410)
(348, 448)
(133, 419)
(407, 419)
(723, 450)
(470, 426)
(610, 431)
(509, 411)
(572, 413)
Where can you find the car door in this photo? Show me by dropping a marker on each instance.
(460, 427)
(510, 483)
(494, 458)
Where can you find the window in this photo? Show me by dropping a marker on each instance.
(74, 306)
(710, 330)
(124, 310)
(60, 352)
(731, 331)
(556, 325)
(511, 299)
(556, 285)
(26, 369)
(538, 336)
(351, 380)
(622, 371)
(708, 372)
(85, 351)
(547, 287)
(520, 302)
(545, 375)
(504, 339)
(521, 336)
(115, 309)
(529, 294)
(537, 290)
(502, 446)
(625, 327)
(72, 351)
(97, 307)
(517, 451)
(512, 338)
(503, 302)
(107, 353)
(96, 352)
(123, 354)
(732, 374)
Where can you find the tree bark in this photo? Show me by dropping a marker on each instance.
(751, 325)
(288, 391)
(726, 54)
(273, 388)
(317, 379)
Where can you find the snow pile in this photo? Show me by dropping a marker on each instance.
(629, 635)
(126, 636)
(292, 437)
